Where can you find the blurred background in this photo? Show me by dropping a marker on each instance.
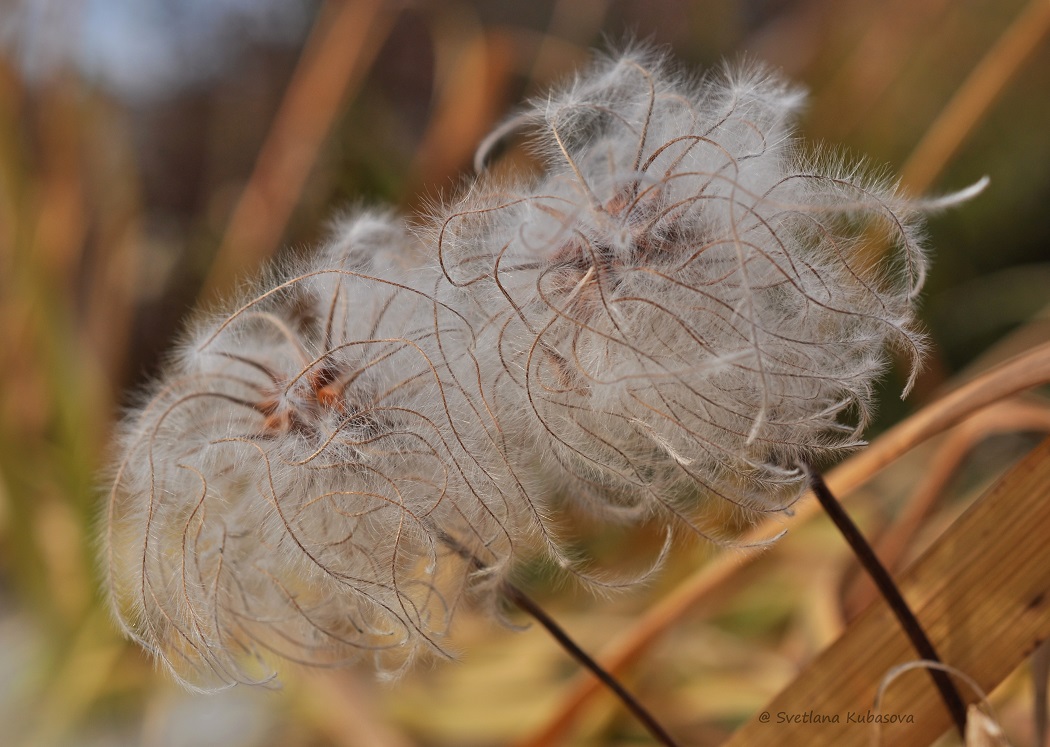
(153, 153)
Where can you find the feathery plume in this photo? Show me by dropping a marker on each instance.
(280, 489)
(683, 301)
(681, 306)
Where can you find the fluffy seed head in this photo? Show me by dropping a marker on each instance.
(683, 301)
(675, 313)
(279, 491)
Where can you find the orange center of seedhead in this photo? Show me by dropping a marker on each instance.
(328, 391)
(285, 414)
(592, 261)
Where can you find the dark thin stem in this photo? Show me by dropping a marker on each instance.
(523, 602)
(878, 573)
(527, 605)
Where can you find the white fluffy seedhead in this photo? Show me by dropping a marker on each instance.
(286, 487)
(682, 301)
(680, 306)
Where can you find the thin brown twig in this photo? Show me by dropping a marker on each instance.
(982, 588)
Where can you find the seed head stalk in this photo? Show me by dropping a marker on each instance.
(953, 701)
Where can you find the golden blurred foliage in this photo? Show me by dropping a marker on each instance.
(121, 210)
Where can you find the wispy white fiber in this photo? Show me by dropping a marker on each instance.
(685, 304)
(679, 311)
(282, 491)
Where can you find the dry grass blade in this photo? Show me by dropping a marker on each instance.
(976, 95)
(345, 40)
(859, 85)
(1007, 417)
(1040, 680)
(983, 597)
(472, 71)
(1021, 373)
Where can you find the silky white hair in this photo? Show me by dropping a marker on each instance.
(683, 305)
(680, 309)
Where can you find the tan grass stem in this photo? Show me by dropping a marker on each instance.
(1011, 416)
(975, 96)
(342, 45)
